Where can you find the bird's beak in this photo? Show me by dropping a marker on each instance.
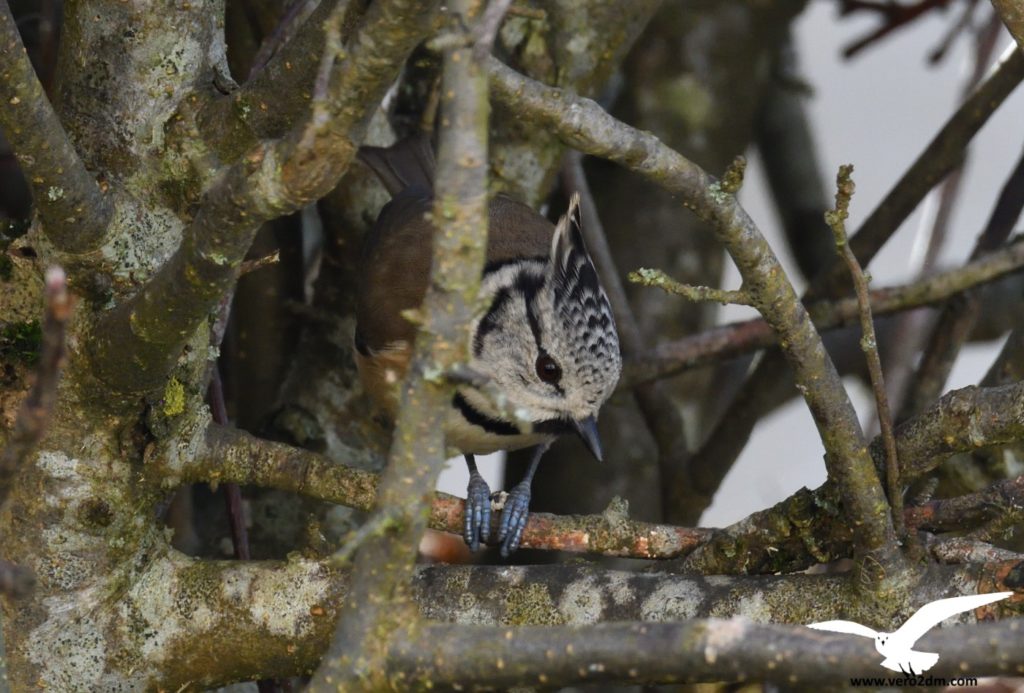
(587, 430)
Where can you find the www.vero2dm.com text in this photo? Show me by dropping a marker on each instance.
(921, 680)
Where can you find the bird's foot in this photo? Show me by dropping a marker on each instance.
(477, 526)
(513, 518)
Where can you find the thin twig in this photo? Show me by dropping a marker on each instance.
(895, 14)
(486, 29)
(836, 219)
(232, 491)
(959, 316)
(911, 330)
(733, 339)
(660, 280)
(36, 409)
(281, 34)
(259, 263)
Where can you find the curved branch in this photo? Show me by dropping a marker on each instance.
(768, 381)
(583, 124)
(961, 421)
(278, 95)
(810, 523)
(73, 210)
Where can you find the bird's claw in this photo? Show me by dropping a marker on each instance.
(513, 518)
(477, 524)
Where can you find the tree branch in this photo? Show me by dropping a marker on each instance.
(73, 210)
(808, 527)
(763, 386)
(804, 529)
(869, 343)
(275, 618)
(961, 421)
(230, 455)
(959, 316)
(971, 510)
(712, 650)
(1012, 14)
(35, 410)
(734, 339)
(584, 125)
(272, 179)
(277, 96)
(375, 610)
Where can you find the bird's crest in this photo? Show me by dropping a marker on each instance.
(580, 302)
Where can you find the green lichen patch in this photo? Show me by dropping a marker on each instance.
(174, 398)
(531, 604)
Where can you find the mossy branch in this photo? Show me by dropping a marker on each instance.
(804, 529)
(484, 614)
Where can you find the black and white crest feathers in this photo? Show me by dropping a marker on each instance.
(579, 300)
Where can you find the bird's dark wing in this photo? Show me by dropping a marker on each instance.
(408, 163)
(395, 270)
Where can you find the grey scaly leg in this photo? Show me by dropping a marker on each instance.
(478, 508)
(517, 506)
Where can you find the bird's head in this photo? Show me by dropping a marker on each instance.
(549, 339)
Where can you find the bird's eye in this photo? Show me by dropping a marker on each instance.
(547, 369)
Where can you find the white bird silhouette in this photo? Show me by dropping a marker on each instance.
(897, 647)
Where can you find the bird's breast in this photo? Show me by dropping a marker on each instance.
(463, 436)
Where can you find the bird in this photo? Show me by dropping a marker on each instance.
(547, 339)
(897, 647)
